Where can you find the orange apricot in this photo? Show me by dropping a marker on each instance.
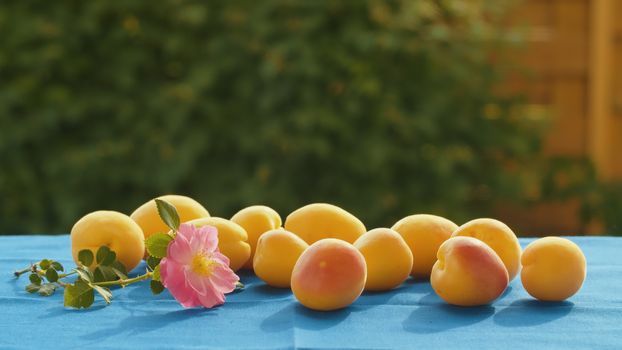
(277, 253)
(256, 220)
(329, 275)
(468, 272)
(320, 220)
(554, 268)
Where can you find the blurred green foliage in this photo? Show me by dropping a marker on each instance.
(383, 107)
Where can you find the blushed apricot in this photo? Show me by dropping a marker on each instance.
(388, 258)
(320, 220)
(554, 268)
(147, 217)
(499, 237)
(277, 253)
(424, 233)
(468, 273)
(329, 275)
(232, 240)
(112, 229)
(256, 220)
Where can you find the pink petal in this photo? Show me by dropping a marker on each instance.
(180, 250)
(220, 258)
(211, 298)
(186, 231)
(197, 283)
(209, 238)
(224, 279)
(172, 276)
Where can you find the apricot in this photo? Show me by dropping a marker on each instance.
(256, 220)
(317, 221)
(277, 253)
(112, 229)
(147, 217)
(388, 258)
(329, 275)
(468, 272)
(232, 240)
(499, 237)
(424, 233)
(554, 268)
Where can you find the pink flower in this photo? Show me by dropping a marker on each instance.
(194, 271)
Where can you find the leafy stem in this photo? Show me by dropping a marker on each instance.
(125, 282)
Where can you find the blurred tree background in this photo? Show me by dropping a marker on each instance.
(386, 108)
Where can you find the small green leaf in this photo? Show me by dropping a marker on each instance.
(119, 270)
(51, 275)
(157, 244)
(156, 287)
(85, 257)
(168, 214)
(104, 273)
(156, 273)
(79, 295)
(152, 262)
(57, 266)
(45, 264)
(85, 274)
(102, 254)
(35, 279)
(108, 260)
(32, 288)
(104, 292)
(47, 289)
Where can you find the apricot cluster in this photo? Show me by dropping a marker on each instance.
(328, 258)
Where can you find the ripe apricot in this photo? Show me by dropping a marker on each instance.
(320, 220)
(499, 237)
(256, 220)
(388, 258)
(232, 240)
(424, 233)
(147, 217)
(468, 272)
(554, 268)
(329, 275)
(275, 257)
(112, 229)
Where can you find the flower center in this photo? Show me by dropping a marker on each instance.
(202, 265)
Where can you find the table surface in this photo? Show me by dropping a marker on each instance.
(261, 317)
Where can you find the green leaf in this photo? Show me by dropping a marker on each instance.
(152, 262)
(79, 295)
(108, 260)
(85, 257)
(51, 275)
(57, 266)
(35, 279)
(102, 254)
(168, 214)
(32, 288)
(119, 270)
(47, 289)
(104, 273)
(45, 264)
(157, 244)
(85, 274)
(156, 287)
(104, 292)
(156, 273)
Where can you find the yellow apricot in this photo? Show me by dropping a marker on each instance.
(468, 272)
(554, 268)
(112, 229)
(424, 233)
(388, 258)
(275, 257)
(320, 220)
(256, 220)
(146, 216)
(232, 239)
(499, 237)
(329, 275)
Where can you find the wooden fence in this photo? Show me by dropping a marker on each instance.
(575, 51)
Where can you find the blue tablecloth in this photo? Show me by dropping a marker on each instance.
(261, 317)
